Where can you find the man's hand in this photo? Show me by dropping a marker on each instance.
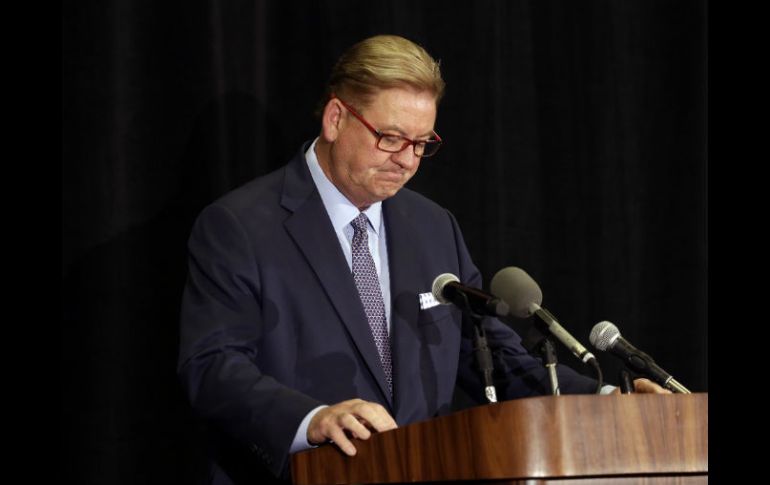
(355, 418)
(644, 385)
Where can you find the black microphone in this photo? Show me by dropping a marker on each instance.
(523, 295)
(448, 289)
(606, 336)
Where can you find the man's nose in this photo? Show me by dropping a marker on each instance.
(406, 158)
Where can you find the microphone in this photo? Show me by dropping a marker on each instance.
(448, 289)
(523, 295)
(606, 336)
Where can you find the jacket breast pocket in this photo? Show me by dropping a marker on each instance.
(435, 314)
(439, 325)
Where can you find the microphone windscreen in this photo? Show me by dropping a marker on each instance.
(515, 287)
(439, 283)
(603, 335)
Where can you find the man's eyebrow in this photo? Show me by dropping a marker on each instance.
(403, 133)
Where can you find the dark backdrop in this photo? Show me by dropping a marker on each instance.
(576, 148)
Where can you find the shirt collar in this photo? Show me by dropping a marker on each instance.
(341, 211)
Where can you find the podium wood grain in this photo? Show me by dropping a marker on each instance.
(631, 438)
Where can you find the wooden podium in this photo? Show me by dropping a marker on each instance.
(569, 439)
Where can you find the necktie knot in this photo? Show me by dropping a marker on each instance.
(360, 222)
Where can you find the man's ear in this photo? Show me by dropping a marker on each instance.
(332, 120)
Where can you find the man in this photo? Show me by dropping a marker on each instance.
(302, 320)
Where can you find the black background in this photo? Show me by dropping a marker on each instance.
(575, 148)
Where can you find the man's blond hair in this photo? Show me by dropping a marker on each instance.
(382, 62)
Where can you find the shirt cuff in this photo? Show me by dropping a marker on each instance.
(300, 438)
(607, 389)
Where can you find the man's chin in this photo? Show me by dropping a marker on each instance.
(388, 191)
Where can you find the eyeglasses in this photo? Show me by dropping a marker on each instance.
(396, 143)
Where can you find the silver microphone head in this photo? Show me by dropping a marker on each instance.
(603, 335)
(438, 286)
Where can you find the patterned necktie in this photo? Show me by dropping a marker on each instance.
(368, 284)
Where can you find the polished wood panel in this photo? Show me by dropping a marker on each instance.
(587, 437)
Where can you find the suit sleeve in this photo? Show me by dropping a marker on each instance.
(517, 373)
(220, 326)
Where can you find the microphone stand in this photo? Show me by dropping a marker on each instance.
(481, 350)
(626, 383)
(538, 336)
(538, 342)
(549, 353)
(484, 359)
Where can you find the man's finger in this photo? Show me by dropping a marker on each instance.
(340, 439)
(376, 416)
(351, 423)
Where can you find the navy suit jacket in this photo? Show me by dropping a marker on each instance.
(272, 326)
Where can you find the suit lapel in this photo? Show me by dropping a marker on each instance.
(405, 283)
(312, 231)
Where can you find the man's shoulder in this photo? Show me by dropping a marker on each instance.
(257, 191)
(262, 193)
(416, 204)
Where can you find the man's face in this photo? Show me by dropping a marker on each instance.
(361, 171)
